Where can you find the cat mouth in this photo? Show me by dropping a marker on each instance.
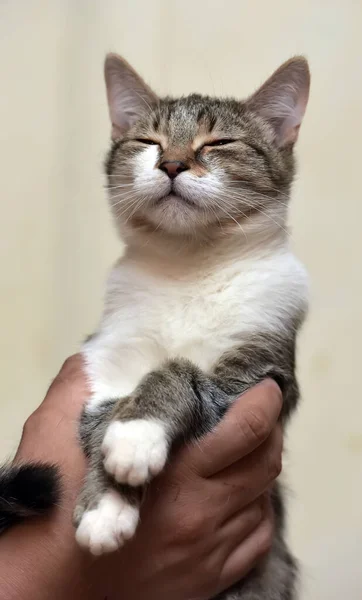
(173, 197)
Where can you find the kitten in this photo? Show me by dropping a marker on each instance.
(206, 300)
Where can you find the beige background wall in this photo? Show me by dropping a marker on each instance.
(57, 242)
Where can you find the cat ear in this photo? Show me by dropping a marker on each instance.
(283, 98)
(128, 95)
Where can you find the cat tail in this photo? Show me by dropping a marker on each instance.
(27, 490)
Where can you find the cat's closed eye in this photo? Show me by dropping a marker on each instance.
(220, 142)
(147, 141)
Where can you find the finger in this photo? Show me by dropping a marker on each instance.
(248, 553)
(240, 525)
(246, 480)
(244, 427)
(69, 389)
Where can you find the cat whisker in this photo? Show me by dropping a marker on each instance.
(257, 208)
(254, 194)
(233, 219)
(249, 189)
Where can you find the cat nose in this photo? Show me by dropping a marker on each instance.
(172, 168)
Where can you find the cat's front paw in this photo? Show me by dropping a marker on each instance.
(106, 528)
(134, 451)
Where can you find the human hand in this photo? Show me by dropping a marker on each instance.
(207, 509)
(207, 519)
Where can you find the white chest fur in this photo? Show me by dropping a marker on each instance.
(149, 317)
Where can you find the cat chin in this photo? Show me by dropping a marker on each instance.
(176, 215)
(177, 202)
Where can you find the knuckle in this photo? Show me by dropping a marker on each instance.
(258, 425)
(274, 453)
(275, 466)
(265, 538)
(29, 425)
(68, 363)
(257, 512)
(192, 527)
(34, 424)
(69, 374)
(70, 366)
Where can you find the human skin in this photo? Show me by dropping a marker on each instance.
(206, 520)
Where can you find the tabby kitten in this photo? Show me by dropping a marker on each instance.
(206, 300)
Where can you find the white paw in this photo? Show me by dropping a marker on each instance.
(134, 451)
(107, 527)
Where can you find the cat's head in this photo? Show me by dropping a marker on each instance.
(186, 165)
